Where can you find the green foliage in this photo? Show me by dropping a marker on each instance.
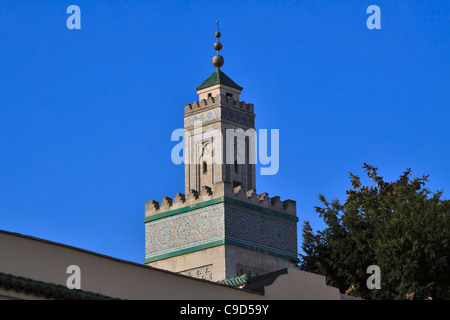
(399, 226)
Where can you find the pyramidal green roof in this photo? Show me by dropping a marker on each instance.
(218, 77)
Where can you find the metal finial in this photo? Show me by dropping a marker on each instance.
(217, 60)
(217, 33)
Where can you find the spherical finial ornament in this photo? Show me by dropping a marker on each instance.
(217, 61)
(217, 33)
(218, 46)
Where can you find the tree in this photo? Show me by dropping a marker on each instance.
(399, 226)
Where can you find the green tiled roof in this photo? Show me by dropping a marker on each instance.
(47, 290)
(238, 281)
(218, 77)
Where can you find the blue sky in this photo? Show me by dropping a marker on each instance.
(86, 115)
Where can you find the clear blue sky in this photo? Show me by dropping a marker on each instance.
(86, 115)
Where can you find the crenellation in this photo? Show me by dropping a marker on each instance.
(264, 200)
(192, 195)
(252, 195)
(228, 190)
(240, 194)
(205, 193)
(290, 206)
(151, 207)
(166, 203)
(179, 199)
(264, 196)
(218, 100)
(220, 189)
(276, 203)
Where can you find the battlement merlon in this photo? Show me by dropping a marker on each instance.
(216, 101)
(218, 190)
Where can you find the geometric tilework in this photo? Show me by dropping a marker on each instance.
(204, 272)
(184, 230)
(260, 230)
(202, 117)
(238, 118)
(217, 224)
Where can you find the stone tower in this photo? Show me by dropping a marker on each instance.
(220, 228)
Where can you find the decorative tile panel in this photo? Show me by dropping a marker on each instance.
(238, 118)
(259, 230)
(221, 223)
(205, 272)
(202, 117)
(183, 231)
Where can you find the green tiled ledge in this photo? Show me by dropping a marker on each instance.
(184, 251)
(216, 243)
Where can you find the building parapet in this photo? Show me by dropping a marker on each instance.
(220, 189)
(218, 100)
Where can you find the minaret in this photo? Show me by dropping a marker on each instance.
(220, 228)
(206, 124)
